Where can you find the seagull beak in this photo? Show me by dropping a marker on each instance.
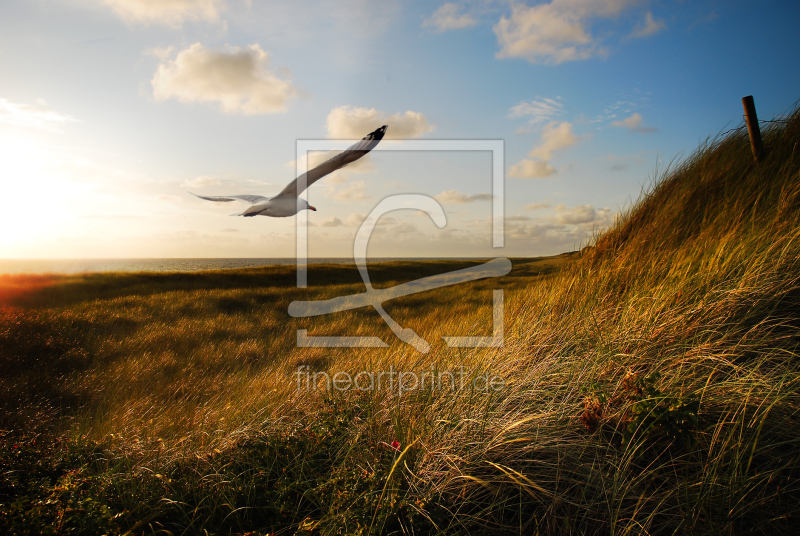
(311, 208)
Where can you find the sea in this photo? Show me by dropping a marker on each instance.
(77, 266)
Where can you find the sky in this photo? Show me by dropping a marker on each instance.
(111, 111)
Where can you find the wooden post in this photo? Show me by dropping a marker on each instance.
(752, 127)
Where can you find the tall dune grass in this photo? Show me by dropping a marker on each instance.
(650, 386)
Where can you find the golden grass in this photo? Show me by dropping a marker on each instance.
(651, 382)
(171, 363)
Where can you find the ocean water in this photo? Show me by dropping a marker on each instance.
(76, 266)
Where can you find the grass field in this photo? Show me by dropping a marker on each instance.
(651, 386)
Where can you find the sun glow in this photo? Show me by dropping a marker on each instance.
(36, 199)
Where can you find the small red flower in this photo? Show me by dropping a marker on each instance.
(396, 445)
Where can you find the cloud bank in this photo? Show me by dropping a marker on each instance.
(456, 197)
(555, 136)
(536, 111)
(168, 12)
(25, 115)
(448, 17)
(634, 124)
(531, 169)
(238, 79)
(349, 122)
(555, 32)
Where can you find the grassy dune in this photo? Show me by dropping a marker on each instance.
(650, 386)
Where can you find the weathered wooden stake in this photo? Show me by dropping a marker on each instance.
(752, 127)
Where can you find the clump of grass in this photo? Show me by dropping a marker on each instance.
(650, 386)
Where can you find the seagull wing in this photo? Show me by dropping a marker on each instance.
(252, 199)
(352, 154)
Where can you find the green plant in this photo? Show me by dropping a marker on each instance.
(655, 413)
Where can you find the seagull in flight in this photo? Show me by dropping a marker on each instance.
(288, 203)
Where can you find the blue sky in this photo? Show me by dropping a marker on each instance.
(110, 110)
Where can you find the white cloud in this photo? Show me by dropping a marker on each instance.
(649, 27)
(582, 214)
(404, 228)
(237, 78)
(536, 206)
(568, 228)
(634, 123)
(578, 214)
(201, 182)
(610, 112)
(356, 191)
(537, 111)
(331, 222)
(355, 219)
(169, 12)
(448, 17)
(389, 226)
(161, 53)
(554, 32)
(555, 136)
(531, 169)
(387, 221)
(349, 122)
(25, 115)
(563, 231)
(454, 196)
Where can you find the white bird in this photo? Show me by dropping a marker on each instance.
(288, 202)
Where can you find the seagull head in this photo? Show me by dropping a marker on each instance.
(302, 204)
